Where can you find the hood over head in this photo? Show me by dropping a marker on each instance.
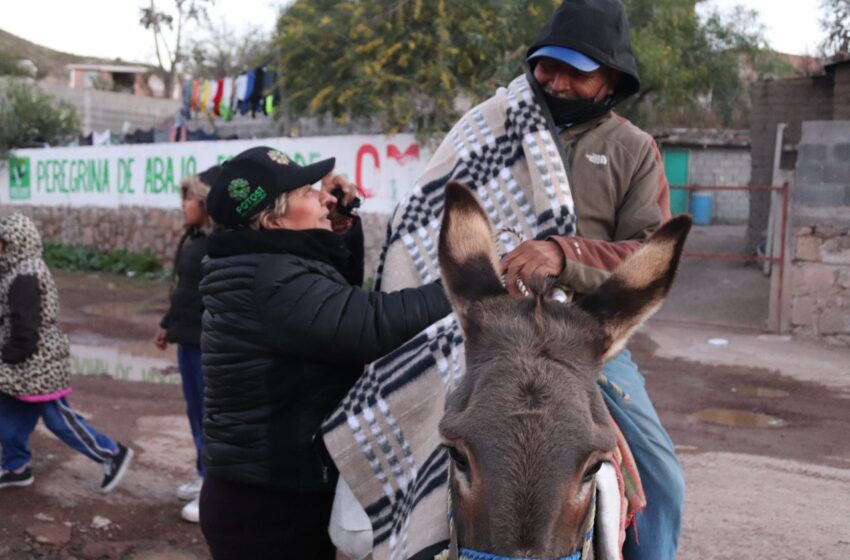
(598, 29)
(21, 237)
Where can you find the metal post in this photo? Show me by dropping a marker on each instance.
(774, 182)
(776, 237)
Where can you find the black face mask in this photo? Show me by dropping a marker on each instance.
(576, 111)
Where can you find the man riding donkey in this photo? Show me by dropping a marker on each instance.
(572, 189)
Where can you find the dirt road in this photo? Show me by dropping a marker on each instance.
(775, 484)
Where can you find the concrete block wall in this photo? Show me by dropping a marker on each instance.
(107, 110)
(820, 214)
(723, 166)
(136, 229)
(841, 95)
(791, 101)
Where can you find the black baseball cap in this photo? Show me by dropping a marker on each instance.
(252, 181)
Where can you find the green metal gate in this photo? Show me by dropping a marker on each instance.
(676, 169)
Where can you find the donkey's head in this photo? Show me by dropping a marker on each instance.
(526, 427)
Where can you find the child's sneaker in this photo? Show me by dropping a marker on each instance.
(191, 512)
(114, 470)
(190, 490)
(11, 478)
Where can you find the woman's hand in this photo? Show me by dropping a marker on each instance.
(330, 183)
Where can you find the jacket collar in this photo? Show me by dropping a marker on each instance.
(312, 244)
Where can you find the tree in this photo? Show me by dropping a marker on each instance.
(409, 64)
(696, 69)
(30, 117)
(401, 63)
(161, 24)
(11, 66)
(836, 23)
(221, 51)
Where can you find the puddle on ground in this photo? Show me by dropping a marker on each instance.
(97, 360)
(762, 392)
(738, 418)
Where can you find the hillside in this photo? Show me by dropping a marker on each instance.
(50, 63)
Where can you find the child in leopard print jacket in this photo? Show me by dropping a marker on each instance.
(34, 364)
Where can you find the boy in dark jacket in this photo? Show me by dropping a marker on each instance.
(286, 332)
(35, 373)
(181, 324)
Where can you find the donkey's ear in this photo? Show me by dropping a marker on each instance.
(637, 288)
(467, 252)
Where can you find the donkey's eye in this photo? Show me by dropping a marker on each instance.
(591, 472)
(459, 459)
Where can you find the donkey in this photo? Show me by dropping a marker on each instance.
(526, 427)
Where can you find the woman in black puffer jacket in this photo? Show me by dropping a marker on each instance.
(286, 331)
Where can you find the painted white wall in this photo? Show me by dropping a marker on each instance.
(149, 175)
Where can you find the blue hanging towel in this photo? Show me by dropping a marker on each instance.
(245, 106)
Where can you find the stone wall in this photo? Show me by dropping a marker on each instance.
(820, 213)
(820, 300)
(136, 229)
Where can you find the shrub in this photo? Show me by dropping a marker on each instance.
(92, 259)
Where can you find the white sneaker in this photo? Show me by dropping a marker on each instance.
(191, 511)
(190, 490)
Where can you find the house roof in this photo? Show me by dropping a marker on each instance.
(115, 68)
(703, 137)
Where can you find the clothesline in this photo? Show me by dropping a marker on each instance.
(148, 136)
(251, 91)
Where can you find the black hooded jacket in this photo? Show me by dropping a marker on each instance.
(182, 321)
(285, 335)
(599, 29)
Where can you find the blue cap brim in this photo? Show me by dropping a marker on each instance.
(575, 59)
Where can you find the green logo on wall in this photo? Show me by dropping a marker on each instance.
(238, 189)
(19, 178)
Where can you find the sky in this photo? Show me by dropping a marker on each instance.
(110, 28)
(791, 26)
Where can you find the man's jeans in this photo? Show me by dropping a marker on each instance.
(659, 524)
(18, 420)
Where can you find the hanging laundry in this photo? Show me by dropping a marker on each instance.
(186, 105)
(205, 98)
(196, 95)
(200, 135)
(224, 107)
(257, 93)
(219, 93)
(213, 95)
(101, 138)
(240, 86)
(140, 136)
(245, 105)
(270, 100)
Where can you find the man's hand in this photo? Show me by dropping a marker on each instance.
(159, 340)
(542, 258)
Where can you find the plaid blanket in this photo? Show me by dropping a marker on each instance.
(383, 437)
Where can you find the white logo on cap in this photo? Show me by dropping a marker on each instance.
(278, 157)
